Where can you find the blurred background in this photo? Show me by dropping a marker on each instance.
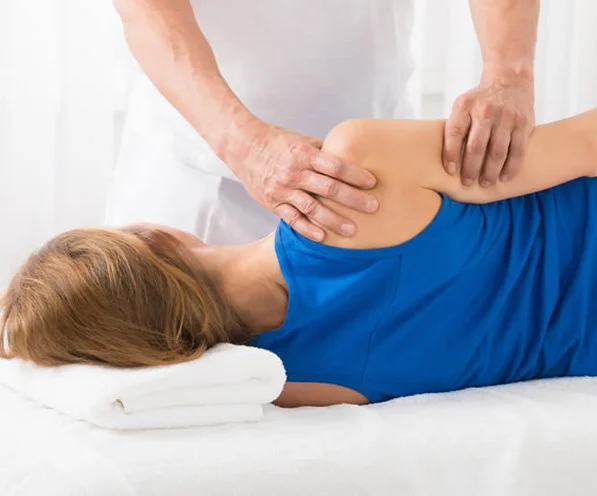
(65, 77)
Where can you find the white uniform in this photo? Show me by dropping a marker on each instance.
(301, 65)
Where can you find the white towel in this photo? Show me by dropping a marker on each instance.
(228, 384)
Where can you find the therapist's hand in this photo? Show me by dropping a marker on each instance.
(287, 173)
(486, 135)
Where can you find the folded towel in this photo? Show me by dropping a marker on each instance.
(228, 384)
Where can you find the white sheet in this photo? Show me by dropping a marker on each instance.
(526, 439)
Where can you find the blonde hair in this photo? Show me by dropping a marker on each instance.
(120, 298)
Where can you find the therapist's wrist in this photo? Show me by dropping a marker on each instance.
(508, 74)
(234, 135)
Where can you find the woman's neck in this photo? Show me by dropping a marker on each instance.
(251, 279)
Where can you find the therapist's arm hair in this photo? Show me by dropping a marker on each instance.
(408, 153)
(507, 32)
(166, 40)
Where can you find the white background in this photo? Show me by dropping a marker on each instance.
(65, 76)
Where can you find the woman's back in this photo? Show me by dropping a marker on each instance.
(486, 294)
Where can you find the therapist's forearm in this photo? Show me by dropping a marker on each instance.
(166, 40)
(507, 32)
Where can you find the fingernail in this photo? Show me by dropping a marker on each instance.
(467, 182)
(372, 205)
(318, 236)
(504, 178)
(451, 167)
(371, 182)
(485, 183)
(347, 229)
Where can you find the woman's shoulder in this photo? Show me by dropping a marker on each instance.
(387, 148)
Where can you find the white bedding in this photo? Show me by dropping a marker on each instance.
(525, 439)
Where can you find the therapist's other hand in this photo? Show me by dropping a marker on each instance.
(287, 173)
(487, 133)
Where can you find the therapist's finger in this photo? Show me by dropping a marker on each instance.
(515, 155)
(299, 222)
(455, 132)
(474, 151)
(315, 211)
(347, 173)
(328, 187)
(497, 153)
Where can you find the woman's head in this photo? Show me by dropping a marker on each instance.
(118, 297)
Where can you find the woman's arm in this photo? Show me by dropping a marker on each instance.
(406, 158)
(297, 394)
(409, 153)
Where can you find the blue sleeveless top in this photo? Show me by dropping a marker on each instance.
(486, 294)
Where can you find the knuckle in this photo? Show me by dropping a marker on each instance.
(330, 188)
(292, 219)
(335, 168)
(288, 175)
(300, 149)
(463, 102)
(520, 120)
(488, 110)
(456, 131)
(280, 211)
(289, 214)
(270, 191)
(308, 205)
(509, 114)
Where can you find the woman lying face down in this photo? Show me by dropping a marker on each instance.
(445, 287)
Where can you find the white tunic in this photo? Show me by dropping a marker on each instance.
(301, 65)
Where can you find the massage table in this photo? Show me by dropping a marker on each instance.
(525, 439)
